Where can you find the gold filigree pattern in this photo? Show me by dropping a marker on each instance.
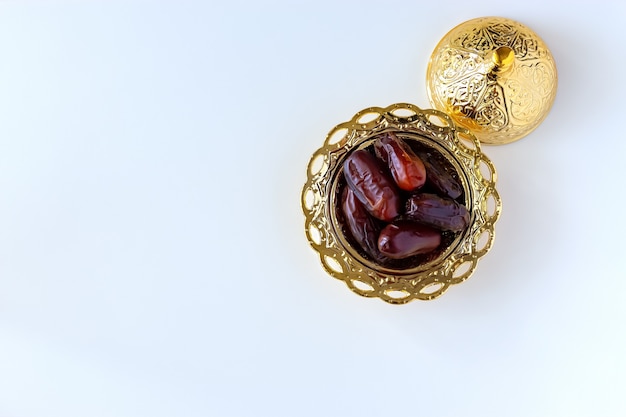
(499, 105)
(426, 281)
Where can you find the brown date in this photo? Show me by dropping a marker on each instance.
(407, 169)
(440, 178)
(442, 213)
(402, 239)
(363, 228)
(365, 175)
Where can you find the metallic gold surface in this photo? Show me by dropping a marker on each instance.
(324, 232)
(494, 76)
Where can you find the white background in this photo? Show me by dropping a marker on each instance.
(152, 251)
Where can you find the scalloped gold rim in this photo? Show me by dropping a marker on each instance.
(366, 278)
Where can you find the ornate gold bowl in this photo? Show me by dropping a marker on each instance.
(456, 262)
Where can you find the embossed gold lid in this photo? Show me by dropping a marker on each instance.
(494, 76)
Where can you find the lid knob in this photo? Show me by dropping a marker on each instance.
(502, 58)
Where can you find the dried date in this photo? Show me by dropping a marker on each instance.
(402, 239)
(363, 228)
(407, 169)
(366, 177)
(438, 176)
(442, 213)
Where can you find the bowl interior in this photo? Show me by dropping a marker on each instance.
(418, 263)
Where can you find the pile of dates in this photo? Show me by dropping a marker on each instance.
(400, 202)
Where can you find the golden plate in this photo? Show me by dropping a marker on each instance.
(324, 232)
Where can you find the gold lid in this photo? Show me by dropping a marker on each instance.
(494, 76)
